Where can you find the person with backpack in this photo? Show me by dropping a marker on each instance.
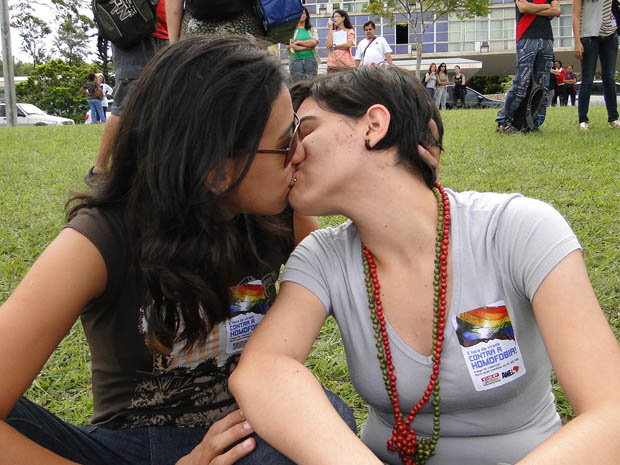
(94, 93)
(170, 264)
(534, 58)
(128, 64)
(595, 28)
(212, 17)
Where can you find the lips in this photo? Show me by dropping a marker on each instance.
(293, 179)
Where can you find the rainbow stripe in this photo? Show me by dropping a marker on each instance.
(248, 297)
(483, 324)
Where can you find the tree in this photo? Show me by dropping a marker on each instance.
(55, 88)
(33, 31)
(103, 58)
(19, 68)
(74, 30)
(422, 13)
(71, 41)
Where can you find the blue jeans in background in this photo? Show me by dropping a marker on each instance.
(607, 49)
(534, 57)
(96, 110)
(305, 68)
(154, 445)
(441, 96)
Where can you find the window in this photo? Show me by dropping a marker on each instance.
(3, 111)
(402, 33)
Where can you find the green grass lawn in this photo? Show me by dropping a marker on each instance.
(574, 171)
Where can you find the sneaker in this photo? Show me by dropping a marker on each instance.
(499, 128)
(92, 179)
(584, 126)
(615, 124)
(510, 129)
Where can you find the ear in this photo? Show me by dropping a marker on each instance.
(378, 122)
(219, 179)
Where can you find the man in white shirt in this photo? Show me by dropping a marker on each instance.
(373, 50)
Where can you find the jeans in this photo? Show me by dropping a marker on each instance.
(570, 92)
(431, 92)
(96, 110)
(441, 94)
(534, 57)
(159, 445)
(306, 68)
(607, 49)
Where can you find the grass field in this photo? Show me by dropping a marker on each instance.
(574, 171)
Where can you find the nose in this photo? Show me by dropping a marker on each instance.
(299, 155)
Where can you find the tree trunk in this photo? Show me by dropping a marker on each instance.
(418, 60)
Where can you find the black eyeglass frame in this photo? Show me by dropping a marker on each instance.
(292, 146)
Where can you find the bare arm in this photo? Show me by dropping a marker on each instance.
(528, 8)
(553, 11)
(33, 321)
(570, 81)
(271, 367)
(174, 16)
(308, 44)
(586, 366)
(388, 58)
(577, 29)
(329, 40)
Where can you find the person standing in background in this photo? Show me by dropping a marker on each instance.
(340, 40)
(90, 88)
(569, 82)
(534, 58)
(430, 80)
(128, 64)
(441, 92)
(559, 74)
(303, 60)
(107, 90)
(373, 50)
(596, 35)
(459, 87)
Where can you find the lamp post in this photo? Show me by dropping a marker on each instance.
(7, 65)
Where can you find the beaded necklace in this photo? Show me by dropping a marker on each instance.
(404, 440)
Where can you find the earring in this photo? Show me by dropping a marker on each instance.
(367, 144)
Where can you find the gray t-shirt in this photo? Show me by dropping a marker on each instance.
(496, 399)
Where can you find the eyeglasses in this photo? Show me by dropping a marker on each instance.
(292, 145)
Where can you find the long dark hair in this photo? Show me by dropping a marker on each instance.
(199, 105)
(345, 15)
(307, 23)
(410, 106)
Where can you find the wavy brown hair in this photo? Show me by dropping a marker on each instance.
(198, 105)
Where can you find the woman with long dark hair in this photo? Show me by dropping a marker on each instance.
(441, 91)
(170, 264)
(303, 58)
(452, 306)
(340, 40)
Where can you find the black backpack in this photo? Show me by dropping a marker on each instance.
(526, 117)
(125, 22)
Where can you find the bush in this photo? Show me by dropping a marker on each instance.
(55, 88)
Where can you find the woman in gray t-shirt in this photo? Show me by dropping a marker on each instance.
(451, 306)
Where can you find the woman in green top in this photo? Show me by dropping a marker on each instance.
(303, 59)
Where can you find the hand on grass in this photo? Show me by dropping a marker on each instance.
(221, 435)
